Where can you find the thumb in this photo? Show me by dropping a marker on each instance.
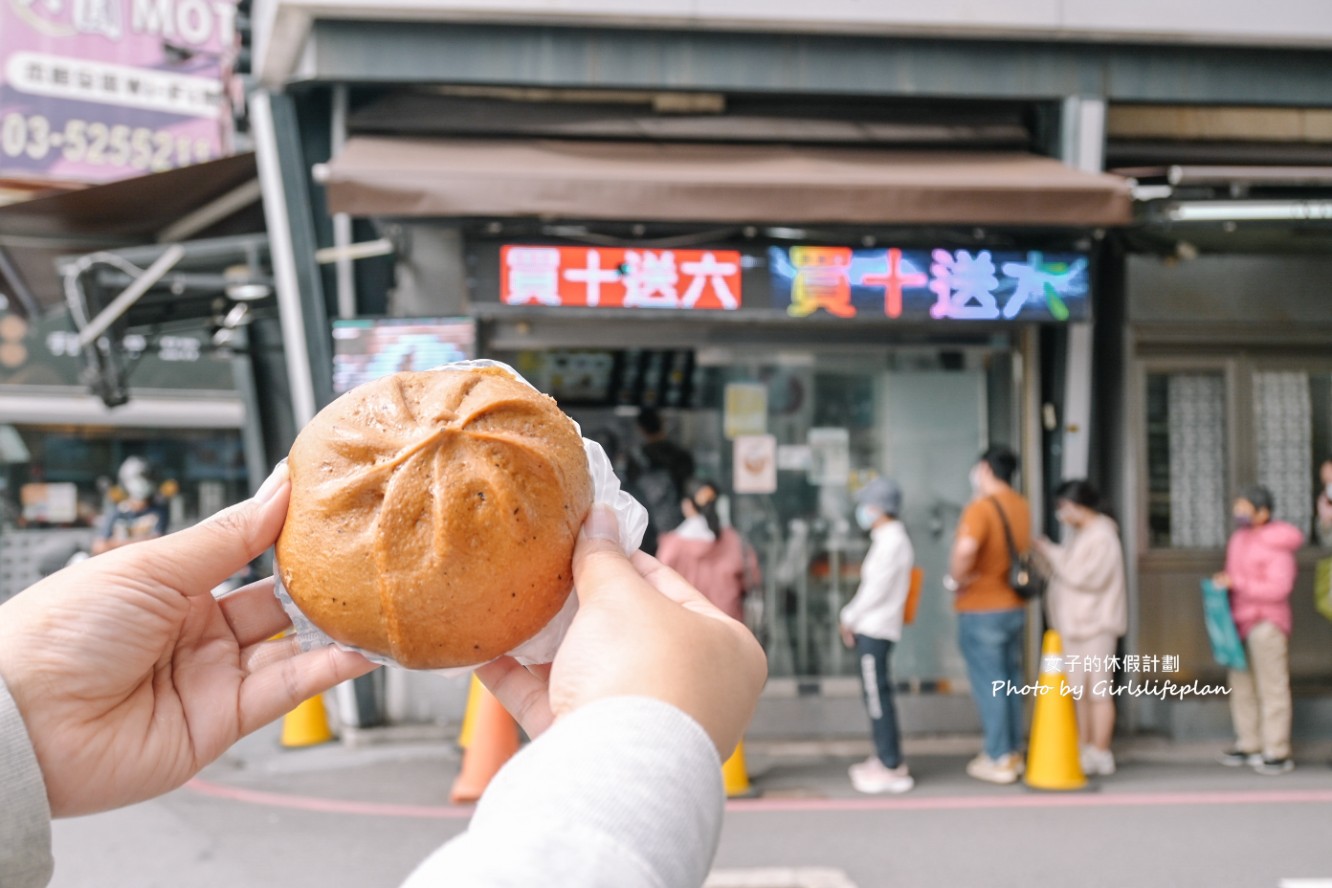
(198, 558)
(599, 564)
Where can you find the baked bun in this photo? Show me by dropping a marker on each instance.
(433, 516)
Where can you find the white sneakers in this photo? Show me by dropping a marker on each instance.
(873, 777)
(1006, 769)
(1097, 762)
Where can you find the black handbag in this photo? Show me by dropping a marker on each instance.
(1022, 573)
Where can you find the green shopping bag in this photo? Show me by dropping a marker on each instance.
(1226, 645)
(1323, 587)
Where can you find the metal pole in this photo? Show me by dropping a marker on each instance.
(342, 223)
(1082, 146)
(291, 312)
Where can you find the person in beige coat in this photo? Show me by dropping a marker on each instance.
(1087, 604)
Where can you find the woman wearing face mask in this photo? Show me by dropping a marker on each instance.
(871, 622)
(1324, 504)
(714, 559)
(1260, 574)
(141, 515)
(1087, 603)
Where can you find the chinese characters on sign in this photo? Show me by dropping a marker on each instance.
(96, 90)
(978, 285)
(609, 277)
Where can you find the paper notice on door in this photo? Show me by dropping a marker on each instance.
(755, 464)
(746, 409)
(793, 457)
(830, 457)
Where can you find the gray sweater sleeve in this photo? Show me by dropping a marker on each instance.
(626, 792)
(25, 815)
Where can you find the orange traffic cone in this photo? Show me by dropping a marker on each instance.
(474, 692)
(306, 725)
(1052, 752)
(735, 775)
(493, 742)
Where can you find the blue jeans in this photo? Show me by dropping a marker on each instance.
(872, 656)
(991, 643)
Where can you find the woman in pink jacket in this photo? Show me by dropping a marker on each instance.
(714, 559)
(1260, 574)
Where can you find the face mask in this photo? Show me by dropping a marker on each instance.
(709, 513)
(1327, 491)
(139, 488)
(866, 516)
(975, 479)
(1243, 522)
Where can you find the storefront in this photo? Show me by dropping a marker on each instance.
(442, 136)
(1229, 383)
(60, 447)
(793, 370)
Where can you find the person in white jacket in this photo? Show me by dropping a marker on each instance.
(122, 676)
(1087, 604)
(871, 622)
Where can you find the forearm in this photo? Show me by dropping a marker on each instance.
(25, 816)
(624, 793)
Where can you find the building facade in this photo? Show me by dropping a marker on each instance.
(837, 246)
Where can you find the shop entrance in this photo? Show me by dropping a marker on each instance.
(830, 419)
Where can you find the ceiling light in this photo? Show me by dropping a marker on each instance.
(1251, 211)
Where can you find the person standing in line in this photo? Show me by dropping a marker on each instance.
(871, 623)
(1260, 574)
(1323, 504)
(141, 515)
(1087, 603)
(656, 476)
(712, 558)
(991, 617)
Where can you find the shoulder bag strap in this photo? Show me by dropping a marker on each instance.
(1008, 531)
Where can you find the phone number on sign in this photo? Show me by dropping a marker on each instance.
(99, 144)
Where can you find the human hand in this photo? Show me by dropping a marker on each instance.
(131, 677)
(641, 630)
(848, 637)
(1221, 580)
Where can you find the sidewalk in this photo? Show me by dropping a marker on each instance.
(416, 766)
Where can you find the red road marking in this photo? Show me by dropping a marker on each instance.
(804, 805)
(1041, 800)
(328, 806)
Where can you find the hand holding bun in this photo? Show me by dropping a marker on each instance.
(433, 516)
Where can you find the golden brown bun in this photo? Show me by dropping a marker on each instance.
(433, 516)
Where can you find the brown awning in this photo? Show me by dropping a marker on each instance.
(381, 176)
(214, 198)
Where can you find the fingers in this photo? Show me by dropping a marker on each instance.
(666, 581)
(257, 657)
(278, 687)
(198, 558)
(599, 564)
(524, 694)
(253, 612)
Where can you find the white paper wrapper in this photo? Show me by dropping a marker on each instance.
(540, 648)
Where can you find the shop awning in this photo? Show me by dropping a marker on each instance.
(384, 176)
(216, 197)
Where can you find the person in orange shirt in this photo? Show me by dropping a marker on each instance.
(991, 617)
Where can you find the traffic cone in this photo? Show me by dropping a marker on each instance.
(474, 692)
(1052, 751)
(306, 725)
(735, 776)
(493, 742)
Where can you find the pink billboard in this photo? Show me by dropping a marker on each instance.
(97, 90)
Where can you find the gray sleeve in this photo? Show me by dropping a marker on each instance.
(623, 793)
(25, 815)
